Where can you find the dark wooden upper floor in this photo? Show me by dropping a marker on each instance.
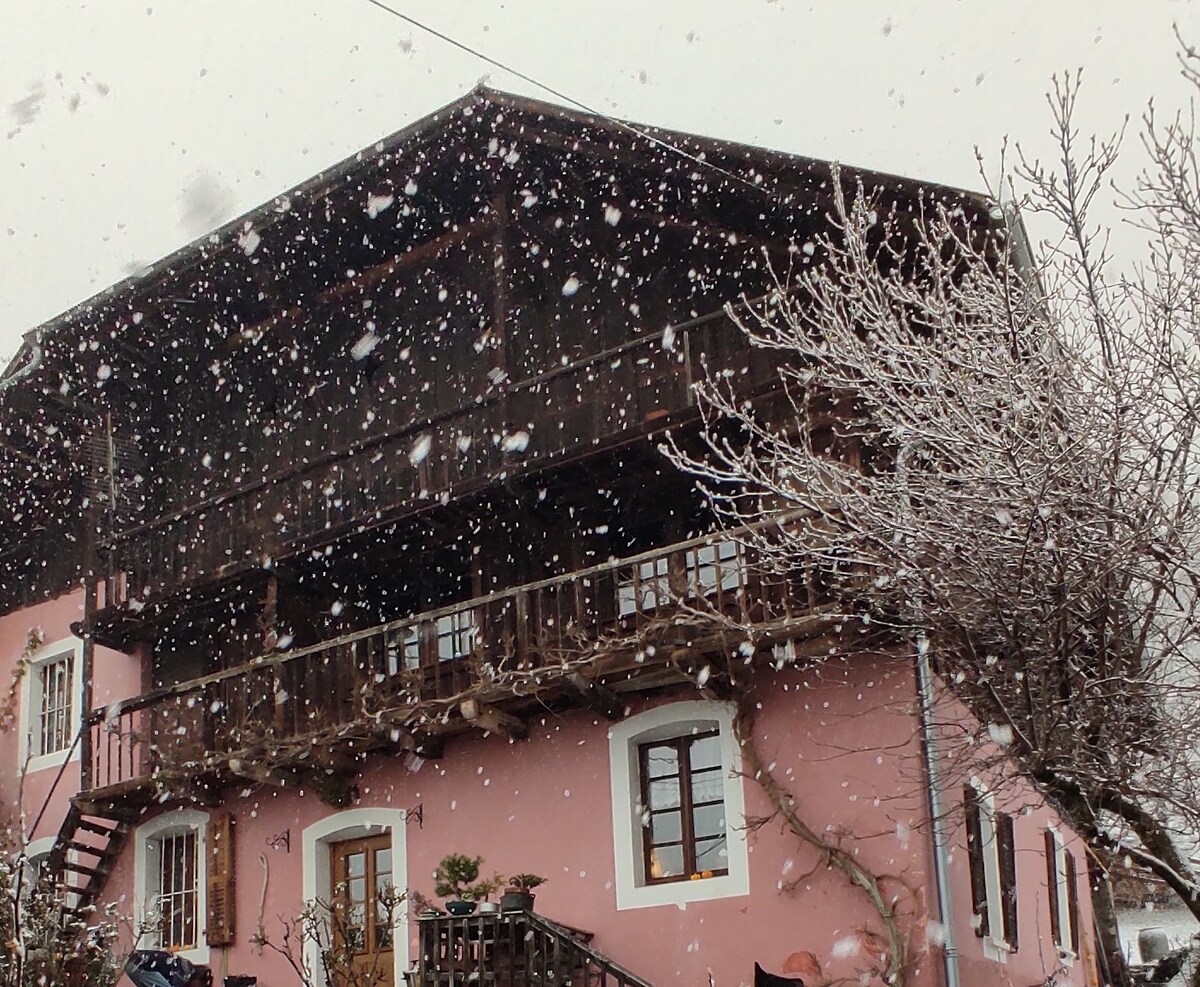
(500, 288)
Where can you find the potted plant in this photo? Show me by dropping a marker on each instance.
(422, 906)
(457, 880)
(518, 896)
(481, 891)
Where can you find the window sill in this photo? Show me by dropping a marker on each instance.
(682, 892)
(44, 762)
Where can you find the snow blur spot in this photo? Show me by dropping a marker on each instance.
(420, 449)
(570, 286)
(517, 441)
(377, 204)
(845, 947)
(249, 241)
(205, 204)
(1001, 733)
(365, 345)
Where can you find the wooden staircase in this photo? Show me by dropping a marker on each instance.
(84, 852)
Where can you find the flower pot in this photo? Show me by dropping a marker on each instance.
(516, 901)
(488, 908)
(460, 907)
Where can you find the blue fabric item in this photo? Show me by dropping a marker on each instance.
(156, 968)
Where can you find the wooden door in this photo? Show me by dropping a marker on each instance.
(365, 912)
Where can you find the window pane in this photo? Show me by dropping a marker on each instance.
(707, 786)
(662, 761)
(383, 862)
(709, 820)
(664, 793)
(705, 752)
(356, 864)
(667, 827)
(666, 861)
(711, 854)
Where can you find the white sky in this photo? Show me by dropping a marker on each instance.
(128, 128)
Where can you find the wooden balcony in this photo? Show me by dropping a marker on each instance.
(645, 619)
(573, 410)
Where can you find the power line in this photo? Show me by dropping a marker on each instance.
(559, 94)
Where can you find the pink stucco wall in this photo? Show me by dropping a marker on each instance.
(845, 741)
(117, 676)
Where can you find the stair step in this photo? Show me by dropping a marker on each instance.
(92, 872)
(93, 849)
(118, 827)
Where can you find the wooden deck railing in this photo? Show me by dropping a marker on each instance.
(437, 654)
(576, 407)
(513, 949)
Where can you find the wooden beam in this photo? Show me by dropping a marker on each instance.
(492, 720)
(595, 696)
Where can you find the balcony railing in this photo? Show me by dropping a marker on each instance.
(515, 949)
(496, 642)
(580, 406)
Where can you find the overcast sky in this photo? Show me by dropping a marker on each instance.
(129, 128)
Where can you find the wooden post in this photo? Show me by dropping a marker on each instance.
(87, 652)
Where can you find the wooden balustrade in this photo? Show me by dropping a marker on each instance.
(439, 654)
(580, 406)
(512, 949)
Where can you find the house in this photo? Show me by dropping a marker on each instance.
(339, 541)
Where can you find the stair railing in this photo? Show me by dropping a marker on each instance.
(512, 949)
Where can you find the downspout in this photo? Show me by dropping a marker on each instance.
(929, 749)
(937, 812)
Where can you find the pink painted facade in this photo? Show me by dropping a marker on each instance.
(847, 746)
(118, 676)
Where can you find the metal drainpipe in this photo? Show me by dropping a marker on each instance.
(936, 811)
(941, 869)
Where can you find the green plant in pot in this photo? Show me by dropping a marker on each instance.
(518, 896)
(457, 880)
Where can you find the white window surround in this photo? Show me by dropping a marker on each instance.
(1065, 953)
(350, 825)
(145, 876)
(994, 946)
(28, 721)
(673, 720)
(36, 852)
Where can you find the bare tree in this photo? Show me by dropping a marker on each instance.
(994, 450)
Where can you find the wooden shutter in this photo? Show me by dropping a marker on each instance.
(1006, 846)
(219, 930)
(1072, 901)
(975, 858)
(1052, 886)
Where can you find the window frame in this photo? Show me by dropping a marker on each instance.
(688, 841)
(991, 854)
(1062, 884)
(632, 887)
(30, 723)
(148, 877)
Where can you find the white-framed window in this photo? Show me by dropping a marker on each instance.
(644, 587)
(455, 635)
(319, 847)
(707, 570)
(170, 875)
(1062, 886)
(991, 854)
(51, 705)
(678, 806)
(720, 565)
